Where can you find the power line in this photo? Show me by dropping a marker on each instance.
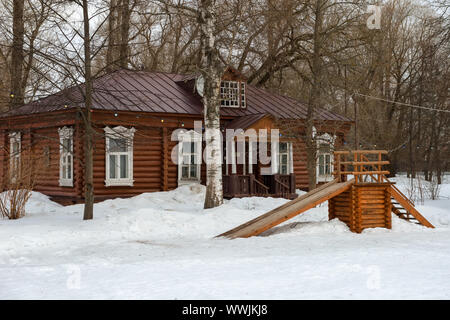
(405, 104)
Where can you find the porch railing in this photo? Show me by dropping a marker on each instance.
(248, 185)
(365, 165)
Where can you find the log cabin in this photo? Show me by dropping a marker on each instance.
(135, 115)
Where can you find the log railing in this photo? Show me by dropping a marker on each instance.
(282, 187)
(259, 189)
(248, 185)
(365, 165)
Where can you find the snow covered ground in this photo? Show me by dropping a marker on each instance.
(161, 246)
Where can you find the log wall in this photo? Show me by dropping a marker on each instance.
(153, 168)
(362, 207)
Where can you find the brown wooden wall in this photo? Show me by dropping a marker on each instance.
(362, 207)
(47, 139)
(39, 148)
(153, 168)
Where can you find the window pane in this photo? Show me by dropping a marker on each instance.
(284, 159)
(327, 164)
(283, 147)
(15, 149)
(186, 159)
(193, 170)
(64, 172)
(123, 166)
(69, 171)
(66, 145)
(185, 172)
(321, 164)
(283, 169)
(112, 166)
(117, 145)
(186, 147)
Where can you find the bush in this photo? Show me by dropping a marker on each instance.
(19, 187)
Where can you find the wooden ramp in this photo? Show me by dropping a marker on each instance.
(288, 210)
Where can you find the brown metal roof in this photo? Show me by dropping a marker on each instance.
(158, 92)
(245, 122)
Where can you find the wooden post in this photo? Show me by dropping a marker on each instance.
(252, 184)
(358, 213)
(379, 167)
(292, 180)
(233, 157)
(331, 209)
(250, 157)
(353, 209)
(165, 160)
(388, 208)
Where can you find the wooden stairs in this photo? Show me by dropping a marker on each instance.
(403, 208)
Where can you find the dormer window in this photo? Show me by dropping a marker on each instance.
(232, 94)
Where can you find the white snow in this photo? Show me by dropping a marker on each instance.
(162, 246)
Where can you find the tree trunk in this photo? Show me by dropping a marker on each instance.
(314, 100)
(112, 38)
(88, 138)
(211, 72)
(125, 13)
(17, 58)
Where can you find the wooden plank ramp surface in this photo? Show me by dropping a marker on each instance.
(288, 210)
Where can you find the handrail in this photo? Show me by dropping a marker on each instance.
(399, 192)
(261, 184)
(281, 183)
(361, 164)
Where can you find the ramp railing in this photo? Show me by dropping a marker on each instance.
(365, 165)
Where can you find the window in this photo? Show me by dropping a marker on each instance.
(284, 158)
(325, 158)
(243, 102)
(14, 155)
(66, 157)
(231, 92)
(189, 157)
(119, 156)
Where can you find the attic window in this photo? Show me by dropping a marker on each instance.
(232, 94)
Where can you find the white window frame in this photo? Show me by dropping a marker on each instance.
(243, 97)
(226, 94)
(330, 140)
(189, 136)
(65, 157)
(119, 132)
(288, 153)
(14, 157)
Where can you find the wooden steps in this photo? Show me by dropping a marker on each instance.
(403, 208)
(288, 210)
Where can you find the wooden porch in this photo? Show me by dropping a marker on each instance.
(248, 185)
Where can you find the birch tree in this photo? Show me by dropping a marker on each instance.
(211, 72)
